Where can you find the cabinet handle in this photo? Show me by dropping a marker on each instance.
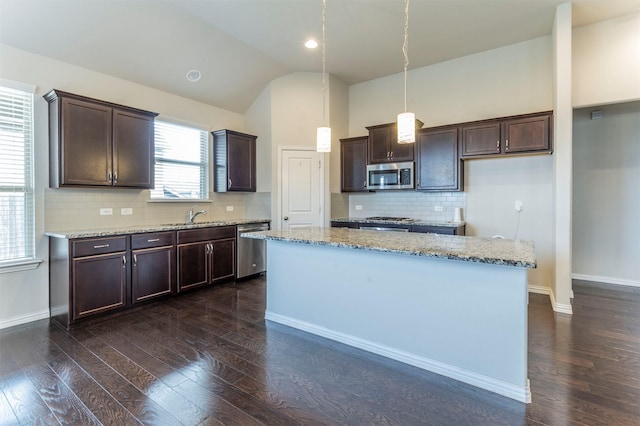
(507, 145)
(124, 261)
(498, 145)
(211, 246)
(101, 246)
(230, 183)
(115, 177)
(153, 240)
(388, 154)
(109, 177)
(135, 260)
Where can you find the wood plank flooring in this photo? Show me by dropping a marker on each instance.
(209, 358)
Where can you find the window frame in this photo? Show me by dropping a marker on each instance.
(29, 260)
(205, 161)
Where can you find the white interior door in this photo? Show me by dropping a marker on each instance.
(302, 189)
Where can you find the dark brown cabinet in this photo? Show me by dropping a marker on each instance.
(438, 164)
(384, 146)
(87, 277)
(205, 256)
(353, 164)
(96, 143)
(234, 161)
(446, 230)
(528, 133)
(152, 266)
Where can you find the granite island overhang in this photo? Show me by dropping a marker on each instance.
(453, 305)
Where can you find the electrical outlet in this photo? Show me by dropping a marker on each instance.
(518, 205)
(126, 211)
(437, 208)
(358, 207)
(229, 208)
(106, 211)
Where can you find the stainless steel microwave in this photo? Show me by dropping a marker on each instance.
(390, 176)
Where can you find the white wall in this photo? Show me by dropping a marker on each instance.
(24, 295)
(515, 79)
(606, 193)
(606, 62)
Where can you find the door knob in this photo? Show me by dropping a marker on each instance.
(286, 218)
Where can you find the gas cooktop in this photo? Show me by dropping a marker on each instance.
(391, 218)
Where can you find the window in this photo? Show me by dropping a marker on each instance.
(17, 235)
(182, 162)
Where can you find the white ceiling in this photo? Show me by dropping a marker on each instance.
(241, 45)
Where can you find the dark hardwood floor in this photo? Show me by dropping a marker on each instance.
(208, 357)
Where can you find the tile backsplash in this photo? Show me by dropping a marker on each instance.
(79, 209)
(417, 205)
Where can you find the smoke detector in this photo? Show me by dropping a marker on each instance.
(194, 75)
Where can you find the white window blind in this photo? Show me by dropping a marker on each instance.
(17, 240)
(181, 162)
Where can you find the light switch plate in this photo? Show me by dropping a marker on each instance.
(438, 208)
(106, 211)
(358, 207)
(229, 208)
(126, 211)
(518, 205)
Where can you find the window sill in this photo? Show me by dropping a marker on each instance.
(19, 265)
(179, 200)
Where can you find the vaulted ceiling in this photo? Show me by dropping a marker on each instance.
(241, 45)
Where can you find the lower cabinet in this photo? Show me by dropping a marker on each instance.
(152, 266)
(446, 230)
(205, 256)
(90, 276)
(99, 284)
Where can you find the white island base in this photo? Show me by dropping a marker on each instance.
(461, 319)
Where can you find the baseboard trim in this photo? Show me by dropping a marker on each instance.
(23, 319)
(538, 289)
(557, 307)
(497, 386)
(606, 280)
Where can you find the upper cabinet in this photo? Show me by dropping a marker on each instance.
(97, 143)
(529, 133)
(384, 146)
(438, 164)
(234, 161)
(353, 164)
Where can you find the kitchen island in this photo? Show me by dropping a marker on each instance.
(453, 305)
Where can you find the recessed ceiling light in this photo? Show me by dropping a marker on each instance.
(194, 75)
(311, 44)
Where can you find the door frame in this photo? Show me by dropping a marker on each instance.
(325, 197)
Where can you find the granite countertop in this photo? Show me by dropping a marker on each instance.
(399, 222)
(141, 229)
(469, 249)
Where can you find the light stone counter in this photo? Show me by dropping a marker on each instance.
(417, 222)
(141, 229)
(469, 249)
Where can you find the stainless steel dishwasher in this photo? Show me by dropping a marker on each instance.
(252, 253)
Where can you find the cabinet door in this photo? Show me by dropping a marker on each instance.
(152, 273)
(133, 149)
(223, 259)
(193, 265)
(85, 144)
(241, 163)
(353, 164)
(99, 284)
(526, 134)
(400, 151)
(379, 149)
(481, 139)
(439, 166)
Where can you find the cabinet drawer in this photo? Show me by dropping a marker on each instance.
(206, 234)
(155, 239)
(93, 246)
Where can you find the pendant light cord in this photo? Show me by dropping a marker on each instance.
(405, 49)
(324, 84)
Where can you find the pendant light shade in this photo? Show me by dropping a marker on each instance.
(324, 139)
(406, 120)
(406, 127)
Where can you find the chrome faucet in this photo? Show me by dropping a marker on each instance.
(193, 215)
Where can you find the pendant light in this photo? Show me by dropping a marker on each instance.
(406, 120)
(323, 142)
